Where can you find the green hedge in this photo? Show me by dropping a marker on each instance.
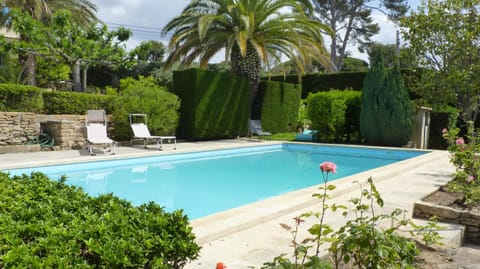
(334, 114)
(48, 224)
(325, 82)
(312, 83)
(280, 105)
(61, 102)
(20, 98)
(214, 105)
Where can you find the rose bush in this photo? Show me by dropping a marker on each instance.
(465, 156)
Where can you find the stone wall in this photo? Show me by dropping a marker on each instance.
(21, 128)
(18, 128)
(470, 219)
(68, 131)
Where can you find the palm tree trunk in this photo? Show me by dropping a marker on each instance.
(248, 66)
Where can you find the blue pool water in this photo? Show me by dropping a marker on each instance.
(204, 183)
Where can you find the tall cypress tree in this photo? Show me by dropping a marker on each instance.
(395, 114)
(373, 87)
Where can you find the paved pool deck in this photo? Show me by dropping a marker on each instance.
(251, 235)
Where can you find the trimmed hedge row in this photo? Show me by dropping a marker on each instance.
(280, 105)
(334, 114)
(19, 98)
(48, 224)
(61, 102)
(324, 82)
(214, 105)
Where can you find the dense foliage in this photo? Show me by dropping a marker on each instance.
(214, 105)
(48, 224)
(144, 96)
(64, 40)
(444, 37)
(280, 104)
(334, 114)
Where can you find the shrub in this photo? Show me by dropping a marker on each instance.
(144, 96)
(48, 224)
(466, 159)
(20, 98)
(333, 113)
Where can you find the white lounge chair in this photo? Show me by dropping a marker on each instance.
(255, 128)
(96, 123)
(141, 132)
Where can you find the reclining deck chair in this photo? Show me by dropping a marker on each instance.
(141, 132)
(96, 123)
(255, 128)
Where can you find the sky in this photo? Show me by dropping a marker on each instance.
(146, 18)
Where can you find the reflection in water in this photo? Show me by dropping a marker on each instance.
(97, 182)
(139, 174)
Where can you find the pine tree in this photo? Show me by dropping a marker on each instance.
(373, 87)
(395, 111)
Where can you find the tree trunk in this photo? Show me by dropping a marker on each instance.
(248, 66)
(77, 84)
(84, 78)
(28, 74)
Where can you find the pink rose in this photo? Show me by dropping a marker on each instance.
(459, 141)
(470, 179)
(328, 167)
(444, 130)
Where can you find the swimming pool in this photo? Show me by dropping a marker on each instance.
(203, 183)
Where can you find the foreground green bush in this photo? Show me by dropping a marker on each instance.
(48, 224)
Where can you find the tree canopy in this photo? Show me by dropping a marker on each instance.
(64, 41)
(444, 37)
(352, 22)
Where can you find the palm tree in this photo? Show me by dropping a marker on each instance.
(82, 10)
(250, 31)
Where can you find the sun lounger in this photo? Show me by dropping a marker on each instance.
(96, 124)
(255, 128)
(141, 132)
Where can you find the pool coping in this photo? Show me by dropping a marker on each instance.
(218, 225)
